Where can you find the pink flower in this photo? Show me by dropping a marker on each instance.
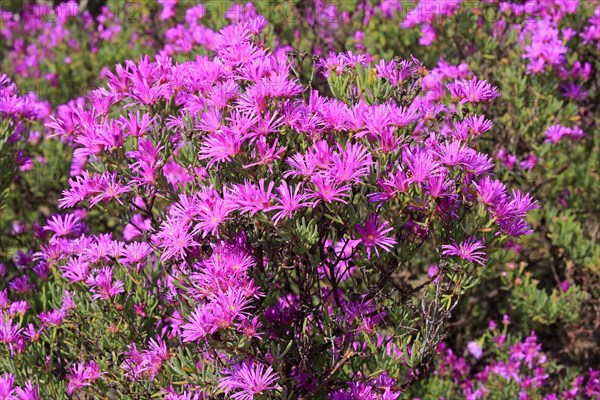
(289, 200)
(248, 380)
(174, 237)
(473, 91)
(467, 250)
(102, 285)
(7, 386)
(475, 349)
(373, 235)
(82, 375)
(251, 198)
(63, 225)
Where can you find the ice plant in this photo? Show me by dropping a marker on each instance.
(272, 191)
(239, 198)
(469, 250)
(373, 235)
(247, 221)
(249, 380)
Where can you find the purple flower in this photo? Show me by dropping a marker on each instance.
(63, 225)
(102, 285)
(555, 133)
(52, 318)
(473, 91)
(29, 392)
(201, 323)
(289, 200)
(7, 386)
(82, 375)
(10, 333)
(250, 198)
(175, 238)
(467, 250)
(76, 270)
(373, 235)
(421, 165)
(249, 379)
(490, 191)
(327, 190)
(475, 349)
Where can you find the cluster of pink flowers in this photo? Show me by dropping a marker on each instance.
(9, 391)
(544, 42)
(82, 375)
(509, 161)
(19, 107)
(591, 33)
(555, 133)
(427, 13)
(182, 38)
(34, 34)
(19, 112)
(260, 224)
(521, 366)
(243, 112)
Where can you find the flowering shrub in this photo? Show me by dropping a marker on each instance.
(319, 200)
(59, 52)
(25, 156)
(268, 222)
(509, 368)
(18, 113)
(541, 56)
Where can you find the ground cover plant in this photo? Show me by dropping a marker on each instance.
(302, 199)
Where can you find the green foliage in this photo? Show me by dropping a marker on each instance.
(536, 306)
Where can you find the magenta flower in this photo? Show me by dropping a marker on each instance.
(373, 235)
(76, 270)
(555, 133)
(452, 153)
(335, 63)
(351, 163)
(473, 91)
(266, 154)
(80, 187)
(249, 379)
(63, 225)
(135, 253)
(10, 333)
(490, 191)
(475, 349)
(82, 375)
(251, 199)
(229, 306)
(221, 146)
(201, 323)
(147, 363)
(7, 386)
(327, 190)
(175, 238)
(52, 318)
(109, 187)
(421, 165)
(102, 285)
(391, 186)
(18, 307)
(289, 200)
(213, 216)
(134, 125)
(29, 392)
(478, 124)
(250, 327)
(467, 250)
